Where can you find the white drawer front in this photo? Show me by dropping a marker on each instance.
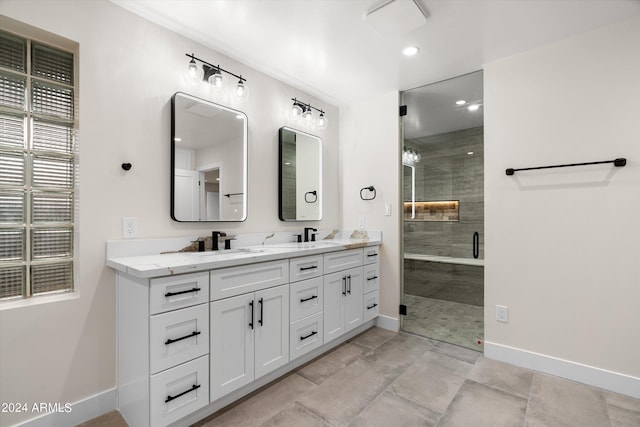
(179, 391)
(184, 290)
(305, 268)
(342, 260)
(371, 307)
(371, 278)
(306, 298)
(232, 281)
(305, 335)
(178, 336)
(371, 254)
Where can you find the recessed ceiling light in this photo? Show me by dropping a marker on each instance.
(461, 102)
(410, 50)
(470, 153)
(473, 107)
(176, 139)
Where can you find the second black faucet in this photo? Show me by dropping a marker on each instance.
(306, 234)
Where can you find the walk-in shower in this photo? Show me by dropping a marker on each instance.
(443, 226)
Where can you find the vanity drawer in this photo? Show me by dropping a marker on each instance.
(173, 292)
(305, 267)
(179, 391)
(232, 281)
(178, 336)
(305, 335)
(371, 278)
(371, 254)
(306, 298)
(371, 307)
(342, 260)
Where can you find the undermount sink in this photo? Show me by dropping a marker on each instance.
(229, 253)
(304, 245)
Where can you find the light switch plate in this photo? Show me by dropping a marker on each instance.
(387, 209)
(502, 313)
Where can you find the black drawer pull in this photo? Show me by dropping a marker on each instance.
(170, 398)
(370, 307)
(372, 278)
(313, 267)
(374, 254)
(192, 334)
(170, 294)
(308, 299)
(308, 336)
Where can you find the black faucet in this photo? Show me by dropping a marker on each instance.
(306, 234)
(214, 239)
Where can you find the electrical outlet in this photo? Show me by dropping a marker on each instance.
(362, 224)
(387, 209)
(129, 228)
(502, 313)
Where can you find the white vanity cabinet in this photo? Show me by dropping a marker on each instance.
(193, 339)
(163, 347)
(306, 305)
(343, 290)
(371, 282)
(249, 331)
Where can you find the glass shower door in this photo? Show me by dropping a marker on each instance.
(443, 227)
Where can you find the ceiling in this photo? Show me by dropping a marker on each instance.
(330, 50)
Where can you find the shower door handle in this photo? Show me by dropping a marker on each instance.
(476, 244)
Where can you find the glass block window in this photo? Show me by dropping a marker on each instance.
(38, 168)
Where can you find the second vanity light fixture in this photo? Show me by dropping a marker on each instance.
(213, 74)
(304, 110)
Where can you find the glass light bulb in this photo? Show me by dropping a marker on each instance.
(307, 114)
(216, 79)
(322, 121)
(242, 90)
(296, 110)
(193, 68)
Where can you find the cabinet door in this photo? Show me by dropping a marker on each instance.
(232, 344)
(353, 300)
(271, 329)
(334, 296)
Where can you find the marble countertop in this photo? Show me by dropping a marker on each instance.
(166, 264)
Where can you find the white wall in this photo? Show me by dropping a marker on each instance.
(129, 68)
(370, 155)
(562, 245)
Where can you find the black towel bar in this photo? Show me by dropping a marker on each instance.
(617, 162)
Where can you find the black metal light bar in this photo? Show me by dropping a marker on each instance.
(616, 162)
(212, 68)
(304, 104)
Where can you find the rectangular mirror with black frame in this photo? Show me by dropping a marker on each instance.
(209, 145)
(300, 176)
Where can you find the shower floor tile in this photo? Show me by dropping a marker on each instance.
(452, 322)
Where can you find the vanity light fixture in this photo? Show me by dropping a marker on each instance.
(213, 74)
(410, 157)
(301, 109)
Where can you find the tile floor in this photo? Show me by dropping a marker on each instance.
(448, 321)
(381, 378)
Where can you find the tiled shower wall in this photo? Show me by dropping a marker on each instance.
(447, 172)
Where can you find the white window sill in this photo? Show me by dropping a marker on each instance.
(37, 300)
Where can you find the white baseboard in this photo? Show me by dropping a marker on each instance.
(597, 377)
(386, 322)
(79, 412)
